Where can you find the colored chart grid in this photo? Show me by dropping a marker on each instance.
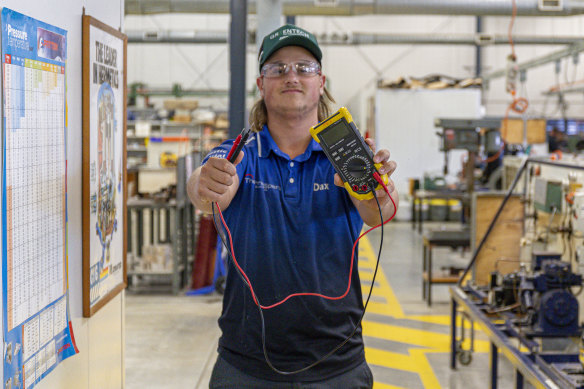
(35, 186)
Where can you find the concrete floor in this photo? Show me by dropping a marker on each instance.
(171, 341)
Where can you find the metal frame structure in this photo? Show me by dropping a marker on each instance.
(542, 370)
(556, 56)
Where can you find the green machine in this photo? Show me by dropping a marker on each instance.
(547, 195)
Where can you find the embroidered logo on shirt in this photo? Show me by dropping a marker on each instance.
(217, 153)
(249, 179)
(318, 187)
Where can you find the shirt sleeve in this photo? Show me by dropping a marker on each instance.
(221, 151)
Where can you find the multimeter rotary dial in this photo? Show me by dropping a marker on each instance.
(356, 166)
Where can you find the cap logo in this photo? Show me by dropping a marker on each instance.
(295, 31)
(274, 35)
(283, 37)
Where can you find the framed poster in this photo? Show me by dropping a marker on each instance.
(104, 164)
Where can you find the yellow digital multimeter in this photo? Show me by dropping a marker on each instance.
(349, 154)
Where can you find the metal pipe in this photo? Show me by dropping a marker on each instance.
(237, 46)
(478, 49)
(356, 38)
(552, 57)
(367, 7)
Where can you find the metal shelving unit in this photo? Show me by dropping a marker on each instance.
(162, 224)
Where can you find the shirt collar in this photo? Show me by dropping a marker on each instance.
(267, 145)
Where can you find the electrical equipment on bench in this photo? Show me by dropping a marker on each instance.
(547, 195)
(538, 257)
(543, 300)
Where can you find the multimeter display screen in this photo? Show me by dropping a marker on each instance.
(335, 133)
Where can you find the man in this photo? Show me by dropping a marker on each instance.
(293, 231)
(556, 140)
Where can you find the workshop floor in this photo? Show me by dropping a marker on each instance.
(171, 341)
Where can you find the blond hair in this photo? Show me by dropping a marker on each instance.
(258, 115)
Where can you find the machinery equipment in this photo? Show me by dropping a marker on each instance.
(543, 300)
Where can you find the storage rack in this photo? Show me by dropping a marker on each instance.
(179, 226)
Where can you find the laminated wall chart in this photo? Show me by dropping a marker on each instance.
(36, 323)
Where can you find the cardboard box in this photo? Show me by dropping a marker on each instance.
(174, 104)
(536, 131)
(221, 123)
(512, 131)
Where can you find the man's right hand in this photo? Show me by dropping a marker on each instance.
(216, 181)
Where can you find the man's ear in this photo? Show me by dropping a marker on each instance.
(260, 84)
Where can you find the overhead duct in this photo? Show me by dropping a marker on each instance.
(369, 7)
(169, 36)
(356, 38)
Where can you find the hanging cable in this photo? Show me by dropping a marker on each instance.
(518, 104)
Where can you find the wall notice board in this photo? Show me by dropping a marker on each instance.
(36, 321)
(104, 164)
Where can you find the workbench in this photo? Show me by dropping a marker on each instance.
(440, 238)
(543, 370)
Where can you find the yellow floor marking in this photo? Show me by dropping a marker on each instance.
(391, 359)
(422, 338)
(423, 342)
(368, 260)
(440, 319)
(379, 385)
(375, 292)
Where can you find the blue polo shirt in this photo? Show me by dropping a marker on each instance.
(293, 231)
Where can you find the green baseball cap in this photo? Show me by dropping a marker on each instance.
(288, 35)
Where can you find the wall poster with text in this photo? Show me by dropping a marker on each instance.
(36, 321)
(104, 164)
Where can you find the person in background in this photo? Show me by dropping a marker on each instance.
(556, 141)
(293, 228)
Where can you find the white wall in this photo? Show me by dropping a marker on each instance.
(100, 339)
(405, 126)
(353, 70)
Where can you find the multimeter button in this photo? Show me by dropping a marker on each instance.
(355, 188)
(364, 187)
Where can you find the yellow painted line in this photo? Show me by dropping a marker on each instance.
(379, 385)
(391, 359)
(426, 372)
(423, 342)
(368, 259)
(441, 320)
(375, 292)
(367, 276)
(421, 338)
(415, 362)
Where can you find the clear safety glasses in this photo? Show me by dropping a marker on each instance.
(279, 69)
